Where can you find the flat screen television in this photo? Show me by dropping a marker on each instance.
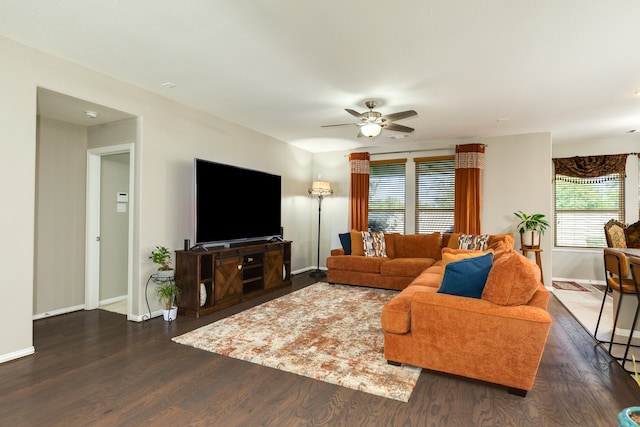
(234, 204)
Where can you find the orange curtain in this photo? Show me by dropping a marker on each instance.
(359, 165)
(468, 191)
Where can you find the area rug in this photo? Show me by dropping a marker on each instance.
(330, 333)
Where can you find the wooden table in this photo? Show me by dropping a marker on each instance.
(537, 251)
(628, 251)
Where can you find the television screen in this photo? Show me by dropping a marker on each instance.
(235, 204)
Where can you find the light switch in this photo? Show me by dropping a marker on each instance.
(121, 207)
(122, 198)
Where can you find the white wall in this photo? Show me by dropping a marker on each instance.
(171, 135)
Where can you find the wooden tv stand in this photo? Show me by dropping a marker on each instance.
(229, 276)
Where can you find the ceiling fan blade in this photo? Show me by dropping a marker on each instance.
(399, 116)
(354, 113)
(342, 124)
(397, 127)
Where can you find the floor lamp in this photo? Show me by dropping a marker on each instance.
(319, 189)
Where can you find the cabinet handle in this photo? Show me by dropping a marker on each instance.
(239, 266)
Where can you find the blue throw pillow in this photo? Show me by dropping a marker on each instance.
(466, 277)
(345, 240)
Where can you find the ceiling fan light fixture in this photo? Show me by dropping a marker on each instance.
(371, 130)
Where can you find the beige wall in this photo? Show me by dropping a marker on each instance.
(60, 216)
(171, 136)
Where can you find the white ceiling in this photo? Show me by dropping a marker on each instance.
(284, 68)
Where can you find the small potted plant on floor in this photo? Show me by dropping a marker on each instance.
(531, 227)
(168, 292)
(161, 256)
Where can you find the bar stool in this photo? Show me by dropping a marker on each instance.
(616, 265)
(634, 266)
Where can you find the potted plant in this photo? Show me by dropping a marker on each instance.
(161, 256)
(531, 227)
(168, 292)
(630, 417)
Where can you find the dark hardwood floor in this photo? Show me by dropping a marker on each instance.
(96, 368)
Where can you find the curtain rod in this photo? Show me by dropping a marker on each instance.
(416, 150)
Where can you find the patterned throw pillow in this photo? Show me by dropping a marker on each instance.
(473, 242)
(373, 242)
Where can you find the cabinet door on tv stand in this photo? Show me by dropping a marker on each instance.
(273, 268)
(228, 279)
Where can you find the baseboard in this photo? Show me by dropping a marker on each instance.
(145, 316)
(17, 354)
(112, 300)
(58, 312)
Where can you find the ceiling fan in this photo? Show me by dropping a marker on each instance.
(372, 122)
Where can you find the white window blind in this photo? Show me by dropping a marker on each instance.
(435, 191)
(387, 201)
(583, 206)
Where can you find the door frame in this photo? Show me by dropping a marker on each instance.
(92, 244)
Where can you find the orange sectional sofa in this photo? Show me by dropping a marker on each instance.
(498, 338)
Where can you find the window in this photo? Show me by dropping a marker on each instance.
(583, 206)
(387, 201)
(435, 190)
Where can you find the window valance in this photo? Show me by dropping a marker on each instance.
(591, 166)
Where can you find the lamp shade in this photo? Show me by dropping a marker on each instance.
(371, 129)
(320, 188)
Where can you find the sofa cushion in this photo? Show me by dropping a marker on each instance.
(417, 246)
(345, 241)
(500, 243)
(373, 243)
(450, 240)
(357, 246)
(396, 314)
(431, 277)
(466, 277)
(361, 264)
(450, 255)
(408, 267)
(389, 241)
(513, 280)
(474, 242)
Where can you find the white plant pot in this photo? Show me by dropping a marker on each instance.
(531, 238)
(170, 315)
(165, 273)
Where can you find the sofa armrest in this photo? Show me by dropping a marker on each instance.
(479, 339)
(338, 251)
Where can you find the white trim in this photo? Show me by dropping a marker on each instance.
(92, 246)
(145, 316)
(112, 300)
(17, 354)
(58, 312)
(92, 257)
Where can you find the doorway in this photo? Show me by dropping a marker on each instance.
(70, 131)
(109, 244)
